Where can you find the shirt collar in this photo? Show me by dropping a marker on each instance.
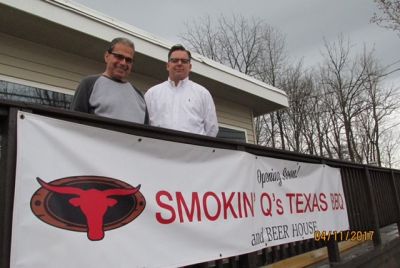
(180, 83)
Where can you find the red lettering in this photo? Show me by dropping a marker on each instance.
(248, 204)
(308, 205)
(206, 205)
(268, 211)
(227, 204)
(210, 206)
(240, 204)
(337, 201)
(290, 195)
(165, 206)
(280, 208)
(315, 203)
(302, 202)
(299, 203)
(322, 200)
(195, 207)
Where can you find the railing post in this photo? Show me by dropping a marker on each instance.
(219, 263)
(333, 251)
(233, 263)
(200, 265)
(248, 260)
(332, 245)
(377, 239)
(7, 183)
(396, 193)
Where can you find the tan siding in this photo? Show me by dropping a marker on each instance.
(238, 119)
(36, 77)
(226, 119)
(39, 68)
(38, 63)
(235, 115)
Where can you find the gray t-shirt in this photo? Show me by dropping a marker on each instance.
(103, 96)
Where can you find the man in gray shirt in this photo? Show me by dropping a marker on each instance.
(109, 94)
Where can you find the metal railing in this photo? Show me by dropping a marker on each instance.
(371, 193)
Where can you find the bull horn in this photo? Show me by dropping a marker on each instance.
(120, 191)
(60, 189)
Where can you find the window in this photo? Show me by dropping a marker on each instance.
(18, 92)
(232, 133)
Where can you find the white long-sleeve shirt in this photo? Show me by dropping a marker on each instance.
(186, 107)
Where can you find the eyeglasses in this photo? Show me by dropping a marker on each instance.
(176, 60)
(121, 57)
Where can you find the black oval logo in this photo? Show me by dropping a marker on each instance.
(89, 204)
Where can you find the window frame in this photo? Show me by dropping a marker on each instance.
(43, 88)
(39, 85)
(236, 129)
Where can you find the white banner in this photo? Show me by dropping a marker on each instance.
(89, 197)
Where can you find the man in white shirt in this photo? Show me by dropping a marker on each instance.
(179, 103)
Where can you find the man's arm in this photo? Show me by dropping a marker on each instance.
(210, 119)
(80, 101)
(146, 112)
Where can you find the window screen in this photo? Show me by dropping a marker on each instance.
(231, 134)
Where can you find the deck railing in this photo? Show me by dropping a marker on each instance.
(371, 193)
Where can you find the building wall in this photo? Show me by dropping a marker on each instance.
(62, 71)
(235, 115)
(38, 63)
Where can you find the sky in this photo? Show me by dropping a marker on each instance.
(305, 23)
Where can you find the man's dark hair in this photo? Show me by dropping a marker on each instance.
(178, 47)
(120, 40)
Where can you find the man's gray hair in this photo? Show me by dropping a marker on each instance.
(120, 40)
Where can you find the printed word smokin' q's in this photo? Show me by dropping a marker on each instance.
(212, 206)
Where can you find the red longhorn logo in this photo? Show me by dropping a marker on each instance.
(93, 203)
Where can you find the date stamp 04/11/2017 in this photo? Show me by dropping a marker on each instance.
(344, 235)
